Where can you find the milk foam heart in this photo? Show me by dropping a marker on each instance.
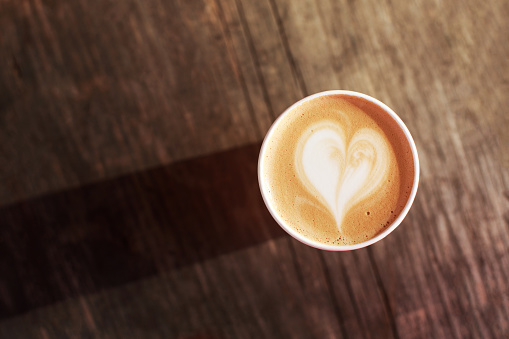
(341, 172)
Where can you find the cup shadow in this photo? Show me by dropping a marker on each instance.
(109, 233)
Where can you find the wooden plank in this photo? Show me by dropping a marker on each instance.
(306, 44)
(113, 232)
(355, 287)
(269, 48)
(94, 90)
(254, 292)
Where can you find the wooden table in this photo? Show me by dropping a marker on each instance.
(129, 136)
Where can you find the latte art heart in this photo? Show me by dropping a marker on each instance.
(341, 171)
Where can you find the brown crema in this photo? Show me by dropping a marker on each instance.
(367, 207)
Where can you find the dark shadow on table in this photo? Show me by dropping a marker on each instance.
(110, 233)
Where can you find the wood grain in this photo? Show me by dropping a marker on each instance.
(123, 215)
(94, 90)
(110, 233)
(254, 292)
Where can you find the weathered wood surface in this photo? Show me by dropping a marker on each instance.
(112, 114)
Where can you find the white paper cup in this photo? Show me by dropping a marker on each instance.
(313, 243)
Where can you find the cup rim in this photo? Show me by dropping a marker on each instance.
(368, 242)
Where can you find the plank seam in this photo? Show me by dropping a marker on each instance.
(256, 60)
(286, 45)
(383, 293)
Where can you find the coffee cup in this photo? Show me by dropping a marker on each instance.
(338, 170)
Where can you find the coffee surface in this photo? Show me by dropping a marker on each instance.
(338, 169)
